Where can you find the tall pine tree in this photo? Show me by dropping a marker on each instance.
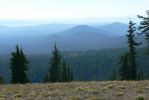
(18, 66)
(132, 50)
(59, 71)
(56, 67)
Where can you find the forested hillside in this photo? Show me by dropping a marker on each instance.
(86, 65)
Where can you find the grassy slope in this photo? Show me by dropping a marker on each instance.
(110, 90)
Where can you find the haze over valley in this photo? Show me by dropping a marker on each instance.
(69, 37)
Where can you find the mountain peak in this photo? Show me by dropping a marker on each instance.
(82, 28)
(116, 28)
(118, 23)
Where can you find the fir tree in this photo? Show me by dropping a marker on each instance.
(128, 70)
(59, 71)
(24, 64)
(70, 74)
(114, 75)
(125, 68)
(65, 73)
(132, 50)
(56, 67)
(140, 75)
(1, 80)
(144, 27)
(47, 78)
(18, 66)
(71, 77)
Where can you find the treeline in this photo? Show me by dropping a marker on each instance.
(59, 70)
(92, 65)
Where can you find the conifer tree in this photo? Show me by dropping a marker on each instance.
(59, 71)
(65, 72)
(18, 66)
(140, 75)
(56, 67)
(24, 64)
(114, 75)
(47, 78)
(68, 73)
(125, 68)
(132, 50)
(128, 70)
(1, 80)
(71, 76)
(144, 27)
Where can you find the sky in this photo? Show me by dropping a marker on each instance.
(70, 11)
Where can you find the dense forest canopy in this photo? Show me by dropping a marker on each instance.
(91, 65)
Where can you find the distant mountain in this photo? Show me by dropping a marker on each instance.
(116, 28)
(31, 38)
(83, 30)
(40, 38)
(84, 37)
(37, 29)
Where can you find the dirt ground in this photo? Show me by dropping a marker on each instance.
(110, 90)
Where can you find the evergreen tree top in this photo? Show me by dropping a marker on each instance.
(144, 24)
(131, 28)
(18, 66)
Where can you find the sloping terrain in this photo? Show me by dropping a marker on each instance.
(116, 28)
(84, 37)
(110, 90)
(40, 38)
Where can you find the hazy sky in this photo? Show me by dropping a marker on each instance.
(69, 10)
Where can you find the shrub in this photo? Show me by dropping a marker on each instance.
(140, 97)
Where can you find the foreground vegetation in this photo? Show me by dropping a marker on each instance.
(110, 90)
